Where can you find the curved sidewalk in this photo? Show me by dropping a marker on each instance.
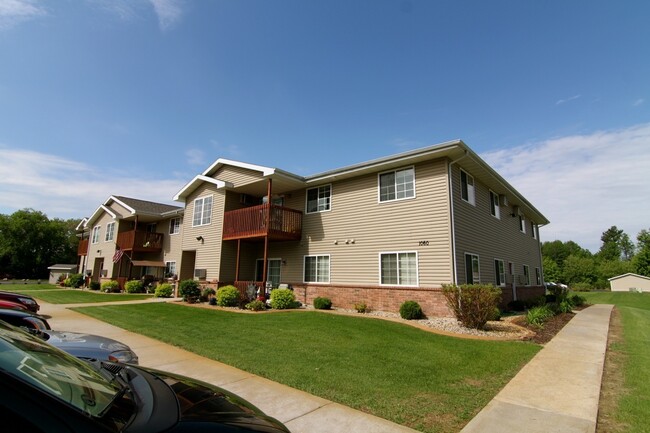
(299, 411)
(559, 389)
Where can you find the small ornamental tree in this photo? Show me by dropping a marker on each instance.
(189, 290)
(472, 304)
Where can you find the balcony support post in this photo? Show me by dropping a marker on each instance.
(268, 225)
(238, 257)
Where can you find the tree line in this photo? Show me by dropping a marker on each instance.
(30, 242)
(568, 263)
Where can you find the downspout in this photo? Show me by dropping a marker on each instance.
(541, 259)
(452, 219)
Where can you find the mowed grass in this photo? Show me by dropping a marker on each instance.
(59, 295)
(429, 382)
(634, 405)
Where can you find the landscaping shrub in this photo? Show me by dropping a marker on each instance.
(581, 287)
(564, 307)
(189, 290)
(256, 305)
(111, 286)
(282, 299)
(577, 300)
(94, 285)
(538, 315)
(410, 310)
(164, 290)
(472, 304)
(228, 296)
(361, 307)
(75, 280)
(207, 294)
(134, 286)
(322, 303)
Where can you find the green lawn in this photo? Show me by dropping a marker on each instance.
(59, 295)
(634, 406)
(429, 382)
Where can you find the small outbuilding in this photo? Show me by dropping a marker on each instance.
(56, 271)
(630, 283)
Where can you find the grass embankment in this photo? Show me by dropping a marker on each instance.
(631, 408)
(429, 382)
(61, 295)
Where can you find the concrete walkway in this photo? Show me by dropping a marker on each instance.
(558, 391)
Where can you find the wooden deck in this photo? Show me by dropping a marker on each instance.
(276, 222)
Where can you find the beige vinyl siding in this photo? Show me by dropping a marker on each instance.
(172, 244)
(121, 211)
(238, 176)
(356, 214)
(106, 248)
(208, 252)
(478, 232)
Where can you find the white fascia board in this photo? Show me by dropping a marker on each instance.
(629, 274)
(82, 224)
(194, 183)
(121, 203)
(100, 209)
(266, 171)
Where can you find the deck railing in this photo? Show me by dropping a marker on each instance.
(281, 224)
(140, 241)
(82, 249)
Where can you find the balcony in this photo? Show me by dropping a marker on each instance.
(82, 249)
(140, 241)
(283, 224)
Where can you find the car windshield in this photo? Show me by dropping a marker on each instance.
(54, 372)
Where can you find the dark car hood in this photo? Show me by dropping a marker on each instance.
(69, 340)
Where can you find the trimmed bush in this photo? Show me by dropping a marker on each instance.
(538, 315)
(134, 286)
(189, 290)
(282, 299)
(228, 296)
(111, 286)
(322, 303)
(75, 281)
(164, 290)
(472, 304)
(361, 307)
(94, 285)
(256, 305)
(577, 300)
(411, 310)
(207, 294)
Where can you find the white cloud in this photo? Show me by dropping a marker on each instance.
(583, 184)
(168, 12)
(638, 102)
(195, 157)
(564, 101)
(63, 188)
(13, 12)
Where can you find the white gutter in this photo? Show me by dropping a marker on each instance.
(451, 216)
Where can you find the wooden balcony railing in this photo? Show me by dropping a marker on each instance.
(251, 222)
(82, 249)
(140, 241)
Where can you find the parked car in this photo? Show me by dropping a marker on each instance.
(12, 305)
(25, 300)
(85, 346)
(45, 389)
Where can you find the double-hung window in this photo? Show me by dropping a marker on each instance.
(174, 226)
(538, 277)
(522, 224)
(526, 275)
(317, 269)
(400, 268)
(495, 209)
(533, 230)
(202, 211)
(110, 231)
(472, 269)
(319, 199)
(95, 238)
(170, 268)
(500, 272)
(467, 187)
(397, 185)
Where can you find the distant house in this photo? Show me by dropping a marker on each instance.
(60, 270)
(630, 283)
(379, 232)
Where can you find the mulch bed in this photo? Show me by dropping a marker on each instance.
(551, 327)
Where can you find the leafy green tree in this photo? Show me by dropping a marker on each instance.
(616, 245)
(579, 270)
(552, 271)
(558, 251)
(641, 260)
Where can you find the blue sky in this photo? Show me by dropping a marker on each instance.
(135, 97)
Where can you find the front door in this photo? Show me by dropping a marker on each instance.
(98, 268)
(274, 267)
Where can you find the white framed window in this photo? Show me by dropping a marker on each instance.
(522, 224)
(317, 269)
(95, 238)
(170, 268)
(110, 231)
(538, 277)
(500, 272)
(533, 230)
(495, 208)
(397, 184)
(399, 268)
(467, 187)
(319, 199)
(202, 211)
(472, 269)
(174, 226)
(526, 275)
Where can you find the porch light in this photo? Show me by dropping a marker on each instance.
(200, 238)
